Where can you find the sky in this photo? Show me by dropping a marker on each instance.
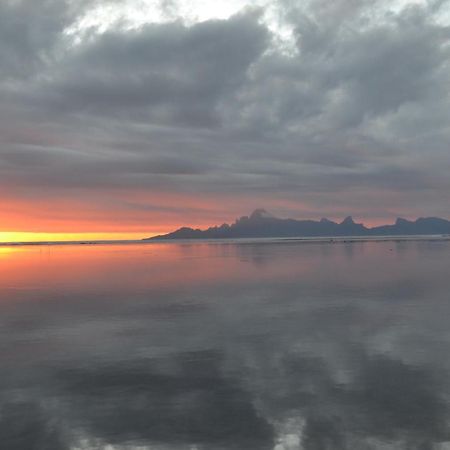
(125, 119)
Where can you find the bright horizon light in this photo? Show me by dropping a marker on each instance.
(17, 237)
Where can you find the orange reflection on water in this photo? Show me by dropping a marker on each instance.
(7, 251)
(121, 270)
(24, 236)
(104, 268)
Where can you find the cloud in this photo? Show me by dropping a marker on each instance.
(192, 404)
(347, 99)
(24, 424)
(161, 73)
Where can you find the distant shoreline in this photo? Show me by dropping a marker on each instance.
(244, 240)
(260, 223)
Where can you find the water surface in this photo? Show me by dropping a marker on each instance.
(272, 345)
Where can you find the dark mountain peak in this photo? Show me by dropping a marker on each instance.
(402, 221)
(348, 221)
(325, 220)
(260, 213)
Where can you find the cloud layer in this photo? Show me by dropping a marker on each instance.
(309, 110)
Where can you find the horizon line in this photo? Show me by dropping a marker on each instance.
(30, 238)
(304, 239)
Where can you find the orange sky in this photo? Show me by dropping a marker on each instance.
(130, 215)
(118, 216)
(73, 219)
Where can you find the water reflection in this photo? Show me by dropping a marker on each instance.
(279, 346)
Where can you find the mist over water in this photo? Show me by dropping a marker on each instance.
(215, 346)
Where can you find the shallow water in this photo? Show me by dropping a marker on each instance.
(273, 345)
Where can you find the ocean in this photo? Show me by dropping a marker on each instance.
(269, 344)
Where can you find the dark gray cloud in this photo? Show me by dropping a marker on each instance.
(25, 425)
(358, 101)
(29, 35)
(191, 404)
(168, 73)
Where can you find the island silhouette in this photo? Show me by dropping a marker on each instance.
(260, 224)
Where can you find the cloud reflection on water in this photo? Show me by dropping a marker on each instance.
(226, 346)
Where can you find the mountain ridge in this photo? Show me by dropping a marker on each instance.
(260, 223)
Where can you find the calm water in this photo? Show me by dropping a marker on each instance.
(281, 346)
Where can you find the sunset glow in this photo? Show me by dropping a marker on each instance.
(18, 236)
(124, 120)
